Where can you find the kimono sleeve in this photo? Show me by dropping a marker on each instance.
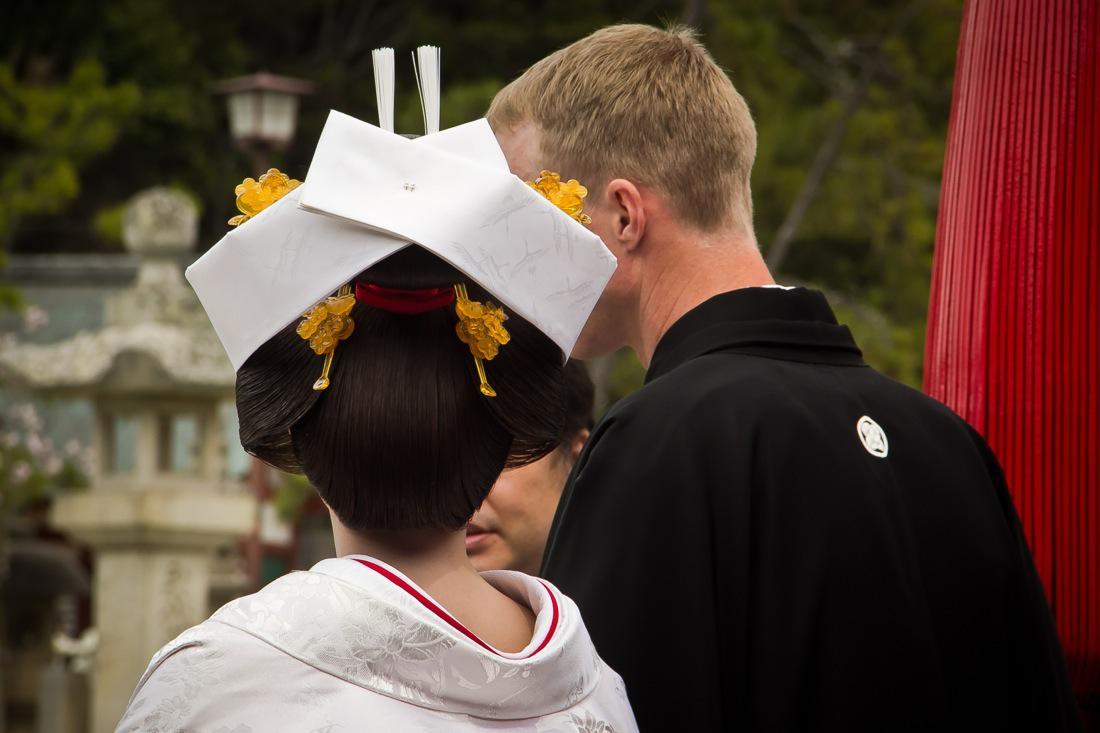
(1053, 703)
(171, 694)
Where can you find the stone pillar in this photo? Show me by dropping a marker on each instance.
(153, 553)
(154, 523)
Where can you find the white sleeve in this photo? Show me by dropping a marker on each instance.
(168, 693)
(605, 710)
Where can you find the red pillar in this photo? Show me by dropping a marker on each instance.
(1014, 317)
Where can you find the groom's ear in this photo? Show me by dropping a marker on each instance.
(626, 206)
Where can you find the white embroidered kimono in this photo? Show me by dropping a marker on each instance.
(354, 645)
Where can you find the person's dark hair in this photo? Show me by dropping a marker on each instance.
(403, 438)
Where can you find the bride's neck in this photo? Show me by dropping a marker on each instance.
(436, 561)
(428, 556)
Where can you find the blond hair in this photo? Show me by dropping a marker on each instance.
(647, 105)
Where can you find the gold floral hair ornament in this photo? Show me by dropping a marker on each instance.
(254, 196)
(568, 196)
(325, 325)
(481, 327)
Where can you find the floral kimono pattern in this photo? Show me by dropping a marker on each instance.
(354, 645)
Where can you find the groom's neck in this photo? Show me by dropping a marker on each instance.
(683, 269)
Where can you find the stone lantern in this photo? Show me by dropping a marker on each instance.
(263, 112)
(161, 500)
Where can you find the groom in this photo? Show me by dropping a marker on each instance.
(769, 535)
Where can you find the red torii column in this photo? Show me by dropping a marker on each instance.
(1014, 317)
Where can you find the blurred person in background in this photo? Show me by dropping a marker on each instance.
(509, 530)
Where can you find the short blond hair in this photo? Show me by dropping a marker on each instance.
(647, 105)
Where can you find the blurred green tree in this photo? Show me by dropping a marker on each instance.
(851, 99)
(32, 469)
(49, 131)
(852, 102)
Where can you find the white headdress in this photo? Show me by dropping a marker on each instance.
(371, 193)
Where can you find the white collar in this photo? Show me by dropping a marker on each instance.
(364, 571)
(358, 624)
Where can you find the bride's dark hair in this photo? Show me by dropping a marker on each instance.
(402, 438)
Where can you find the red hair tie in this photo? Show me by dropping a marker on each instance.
(405, 302)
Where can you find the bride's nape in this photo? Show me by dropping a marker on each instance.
(436, 560)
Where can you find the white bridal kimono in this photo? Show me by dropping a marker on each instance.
(354, 645)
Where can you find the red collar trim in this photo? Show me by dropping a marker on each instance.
(553, 620)
(451, 620)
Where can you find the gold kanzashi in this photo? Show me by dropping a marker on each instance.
(254, 196)
(326, 325)
(481, 327)
(568, 196)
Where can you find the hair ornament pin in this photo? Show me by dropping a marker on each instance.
(325, 325)
(568, 196)
(253, 196)
(481, 327)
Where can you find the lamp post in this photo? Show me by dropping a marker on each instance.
(263, 113)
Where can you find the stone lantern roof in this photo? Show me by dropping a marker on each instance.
(156, 337)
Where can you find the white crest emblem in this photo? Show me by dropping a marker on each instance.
(873, 437)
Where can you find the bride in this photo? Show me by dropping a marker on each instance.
(401, 394)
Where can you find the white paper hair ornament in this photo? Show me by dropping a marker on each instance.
(382, 59)
(427, 66)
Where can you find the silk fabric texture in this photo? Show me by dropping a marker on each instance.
(344, 647)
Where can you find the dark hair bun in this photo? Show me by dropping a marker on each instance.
(402, 437)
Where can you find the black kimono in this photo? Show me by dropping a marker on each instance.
(771, 536)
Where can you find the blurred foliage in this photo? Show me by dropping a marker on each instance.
(32, 469)
(50, 130)
(102, 98)
(107, 223)
(626, 375)
(291, 496)
(868, 233)
(10, 298)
